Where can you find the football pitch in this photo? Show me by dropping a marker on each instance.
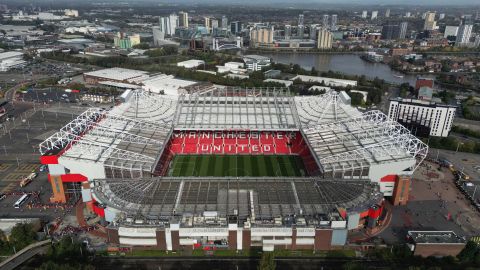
(242, 165)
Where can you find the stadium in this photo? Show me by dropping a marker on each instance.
(233, 168)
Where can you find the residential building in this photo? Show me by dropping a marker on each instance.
(183, 19)
(235, 27)
(464, 34)
(374, 15)
(430, 23)
(224, 22)
(261, 36)
(324, 39)
(421, 117)
(300, 19)
(158, 35)
(334, 22)
(394, 31)
(288, 31)
(325, 20)
(364, 14)
(387, 13)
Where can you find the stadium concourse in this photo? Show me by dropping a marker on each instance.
(233, 168)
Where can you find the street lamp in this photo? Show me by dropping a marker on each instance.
(458, 145)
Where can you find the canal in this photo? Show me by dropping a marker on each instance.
(350, 64)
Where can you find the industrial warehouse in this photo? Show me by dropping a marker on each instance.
(181, 172)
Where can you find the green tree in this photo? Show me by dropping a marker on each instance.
(267, 261)
(22, 235)
(469, 252)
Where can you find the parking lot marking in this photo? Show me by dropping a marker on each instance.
(27, 168)
(4, 167)
(16, 176)
(8, 188)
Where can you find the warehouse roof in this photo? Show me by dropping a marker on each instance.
(117, 74)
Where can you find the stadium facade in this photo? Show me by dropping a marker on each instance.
(120, 160)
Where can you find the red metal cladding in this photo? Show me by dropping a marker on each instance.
(389, 178)
(375, 212)
(45, 160)
(98, 210)
(74, 177)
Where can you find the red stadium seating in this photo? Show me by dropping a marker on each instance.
(240, 142)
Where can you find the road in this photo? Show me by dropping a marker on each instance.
(24, 255)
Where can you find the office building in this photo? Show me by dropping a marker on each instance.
(173, 23)
(214, 23)
(408, 14)
(387, 13)
(464, 34)
(364, 14)
(207, 23)
(288, 31)
(300, 19)
(450, 31)
(300, 31)
(224, 22)
(183, 19)
(158, 35)
(325, 20)
(394, 31)
(374, 15)
(423, 118)
(235, 27)
(430, 23)
(334, 22)
(324, 39)
(256, 62)
(441, 16)
(169, 24)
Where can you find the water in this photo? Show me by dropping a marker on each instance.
(350, 64)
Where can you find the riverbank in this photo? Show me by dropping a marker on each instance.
(260, 51)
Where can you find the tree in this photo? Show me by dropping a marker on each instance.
(143, 46)
(267, 262)
(22, 235)
(469, 252)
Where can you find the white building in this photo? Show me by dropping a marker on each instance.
(191, 63)
(166, 84)
(450, 31)
(464, 34)
(423, 118)
(71, 12)
(374, 14)
(364, 14)
(325, 80)
(232, 67)
(256, 62)
(9, 60)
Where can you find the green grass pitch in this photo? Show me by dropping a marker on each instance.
(241, 165)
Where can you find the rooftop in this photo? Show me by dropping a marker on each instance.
(253, 109)
(435, 237)
(258, 198)
(117, 74)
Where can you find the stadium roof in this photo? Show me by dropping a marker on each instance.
(248, 109)
(353, 144)
(126, 140)
(129, 139)
(255, 197)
